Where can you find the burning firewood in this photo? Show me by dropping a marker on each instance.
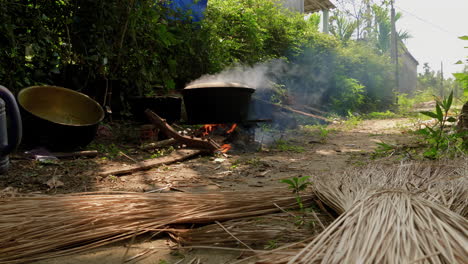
(160, 123)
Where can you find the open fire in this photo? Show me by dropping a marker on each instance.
(221, 129)
(210, 128)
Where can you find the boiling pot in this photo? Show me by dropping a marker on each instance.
(217, 102)
(10, 132)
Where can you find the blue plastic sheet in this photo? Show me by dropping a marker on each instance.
(193, 8)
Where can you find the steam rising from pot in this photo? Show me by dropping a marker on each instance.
(258, 76)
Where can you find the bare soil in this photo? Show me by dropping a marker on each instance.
(343, 148)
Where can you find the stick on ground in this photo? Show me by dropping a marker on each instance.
(176, 156)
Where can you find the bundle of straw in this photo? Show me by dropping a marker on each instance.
(34, 228)
(390, 215)
(269, 231)
(391, 227)
(447, 185)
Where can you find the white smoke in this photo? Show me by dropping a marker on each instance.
(258, 76)
(265, 76)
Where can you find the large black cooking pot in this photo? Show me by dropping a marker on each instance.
(57, 118)
(217, 102)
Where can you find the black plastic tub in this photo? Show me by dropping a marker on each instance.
(57, 118)
(217, 102)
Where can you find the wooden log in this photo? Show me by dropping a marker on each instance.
(290, 109)
(176, 156)
(207, 144)
(159, 144)
(314, 110)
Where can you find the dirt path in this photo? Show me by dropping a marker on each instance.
(303, 153)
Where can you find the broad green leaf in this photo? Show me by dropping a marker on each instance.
(303, 179)
(296, 182)
(459, 62)
(463, 37)
(440, 115)
(449, 102)
(430, 114)
(287, 181)
(451, 119)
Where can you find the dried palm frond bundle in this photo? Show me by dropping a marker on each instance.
(420, 221)
(262, 232)
(33, 228)
(389, 227)
(447, 185)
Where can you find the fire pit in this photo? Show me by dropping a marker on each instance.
(217, 102)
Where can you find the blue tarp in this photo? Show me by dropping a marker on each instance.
(193, 8)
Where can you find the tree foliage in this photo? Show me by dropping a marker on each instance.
(142, 44)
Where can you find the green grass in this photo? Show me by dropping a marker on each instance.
(352, 122)
(284, 145)
(381, 115)
(322, 131)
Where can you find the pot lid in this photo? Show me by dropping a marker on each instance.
(217, 84)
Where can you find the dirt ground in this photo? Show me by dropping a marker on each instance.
(304, 152)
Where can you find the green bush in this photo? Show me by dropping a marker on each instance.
(33, 42)
(81, 43)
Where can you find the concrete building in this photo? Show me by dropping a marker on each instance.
(311, 6)
(408, 71)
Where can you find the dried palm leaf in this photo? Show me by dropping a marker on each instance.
(33, 228)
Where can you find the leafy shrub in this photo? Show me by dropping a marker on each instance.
(350, 96)
(405, 103)
(81, 44)
(34, 41)
(442, 140)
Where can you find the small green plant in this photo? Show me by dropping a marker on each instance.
(298, 185)
(387, 150)
(440, 138)
(321, 130)
(161, 152)
(352, 121)
(405, 104)
(323, 133)
(284, 145)
(254, 162)
(110, 151)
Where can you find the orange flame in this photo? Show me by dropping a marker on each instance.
(209, 128)
(225, 148)
(233, 127)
